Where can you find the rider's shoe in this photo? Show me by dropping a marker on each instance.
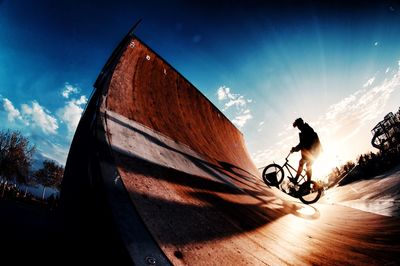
(308, 189)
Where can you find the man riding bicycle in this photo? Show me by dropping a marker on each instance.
(309, 146)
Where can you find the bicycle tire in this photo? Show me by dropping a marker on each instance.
(273, 174)
(310, 192)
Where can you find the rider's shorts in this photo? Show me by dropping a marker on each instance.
(307, 157)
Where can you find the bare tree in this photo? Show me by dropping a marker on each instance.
(15, 156)
(50, 175)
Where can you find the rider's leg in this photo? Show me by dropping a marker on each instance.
(307, 157)
(300, 169)
(309, 170)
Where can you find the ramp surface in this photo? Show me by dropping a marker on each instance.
(183, 190)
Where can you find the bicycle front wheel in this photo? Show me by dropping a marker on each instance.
(273, 175)
(310, 192)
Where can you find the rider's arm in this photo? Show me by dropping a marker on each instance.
(297, 148)
(300, 145)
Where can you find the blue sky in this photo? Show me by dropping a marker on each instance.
(264, 64)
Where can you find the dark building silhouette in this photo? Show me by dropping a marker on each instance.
(386, 134)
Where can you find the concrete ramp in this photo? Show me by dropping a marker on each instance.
(173, 177)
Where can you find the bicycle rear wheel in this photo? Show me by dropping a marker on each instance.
(310, 192)
(273, 174)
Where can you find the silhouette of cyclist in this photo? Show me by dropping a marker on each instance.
(309, 146)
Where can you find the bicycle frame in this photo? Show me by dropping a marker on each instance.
(290, 168)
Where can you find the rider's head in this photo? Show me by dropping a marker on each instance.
(298, 122)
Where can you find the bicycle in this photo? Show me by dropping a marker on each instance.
(307, 191)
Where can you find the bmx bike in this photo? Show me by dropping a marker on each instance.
(307, 191)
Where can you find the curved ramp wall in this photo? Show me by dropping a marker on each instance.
(183, 163)
(147, 90)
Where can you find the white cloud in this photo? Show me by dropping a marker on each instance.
(223, 93)
(69, 89)
(260, 126)
(361, 106)
(260, 157)
(81, 100)
(241, 119)
(277, 151)
(32, 115)
(241, 113)
(72, 112)
(369, 82)
(239, 102)
(12, 113)
(53, 151)
(37, 117)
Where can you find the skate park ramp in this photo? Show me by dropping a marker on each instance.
(379, 194)
(156, 167)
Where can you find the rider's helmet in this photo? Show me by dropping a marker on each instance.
(297, 122)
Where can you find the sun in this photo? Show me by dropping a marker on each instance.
(328, 160)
